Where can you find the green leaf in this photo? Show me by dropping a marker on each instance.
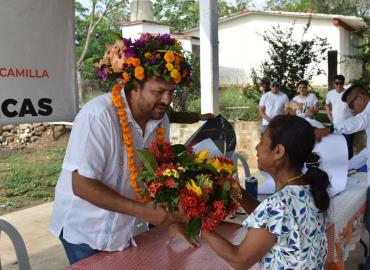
(224, 191)
(178, 148)
(210, 168)
(193, 228)
(149, 161)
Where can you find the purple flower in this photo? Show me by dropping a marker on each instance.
(160, 70)
(145, 37)
(102, 74)
(129, 52)
(151, 62)
(166, 38)
(127, 42)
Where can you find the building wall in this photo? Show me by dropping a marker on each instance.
(241, 46)
(349, 67)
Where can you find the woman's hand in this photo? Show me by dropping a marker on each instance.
(179, 229)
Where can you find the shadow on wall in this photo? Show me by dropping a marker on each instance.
(232, 76)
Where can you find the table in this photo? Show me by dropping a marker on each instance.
(345, 226)
(346, 220)
(152, 252)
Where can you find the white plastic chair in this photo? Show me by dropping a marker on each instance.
(237, 156)
(18, 243)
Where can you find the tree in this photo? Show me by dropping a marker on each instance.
(100, 12)
(183, 14)
(291, 61)
(344, 7)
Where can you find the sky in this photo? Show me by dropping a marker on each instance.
(257, 3)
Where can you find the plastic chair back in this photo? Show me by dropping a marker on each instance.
(18, 243)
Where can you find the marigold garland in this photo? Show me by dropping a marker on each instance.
(119, 104)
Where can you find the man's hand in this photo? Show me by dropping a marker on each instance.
(159, 214)
(320, 133)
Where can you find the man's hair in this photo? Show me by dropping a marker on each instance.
(362, 90)
(339, 78)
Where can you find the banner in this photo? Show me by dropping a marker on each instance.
(37, 61)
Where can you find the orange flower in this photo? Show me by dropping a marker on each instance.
(139, 73)
(177, 79)
(157, 55)
(133, 61)
(169, 57)
(178, 60)
(177, 67)
(185, 73)
(126, 77)
(148, 55)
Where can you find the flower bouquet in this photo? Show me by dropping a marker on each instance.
(195, 184)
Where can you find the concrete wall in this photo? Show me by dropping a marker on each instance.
(241, 46)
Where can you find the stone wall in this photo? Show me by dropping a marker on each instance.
(19, 136)
(247, 137)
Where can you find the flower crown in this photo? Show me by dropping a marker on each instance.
(150, 56)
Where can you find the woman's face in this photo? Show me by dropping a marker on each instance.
(265, 155)
(302, 89)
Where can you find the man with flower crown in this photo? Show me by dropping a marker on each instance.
(97, 198)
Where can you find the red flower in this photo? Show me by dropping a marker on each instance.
(163, 167)
(153, 188)
(193, 205)
(170, 183)
(162, 151)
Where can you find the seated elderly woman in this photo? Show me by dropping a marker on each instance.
(286, 230)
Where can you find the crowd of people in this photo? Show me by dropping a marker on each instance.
(96, 200)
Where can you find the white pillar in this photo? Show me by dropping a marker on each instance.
(209, 77)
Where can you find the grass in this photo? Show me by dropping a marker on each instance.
(29, 177)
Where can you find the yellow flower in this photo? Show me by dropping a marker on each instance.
(201, 157)
(228, 168)
(192, 186)
(169, 66)
(175, 74)
(169, 57)
(171, 173)
(139, 73)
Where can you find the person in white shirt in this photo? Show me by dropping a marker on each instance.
(97, 198)
(357, 98)
(309, 104)
(272, 103)
(338, 110)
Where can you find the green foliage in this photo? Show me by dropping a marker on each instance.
(193, 228)
(183, 14)
(149, 161)
(291, 61)
(102, 34)
(235, 103)
(343, 7)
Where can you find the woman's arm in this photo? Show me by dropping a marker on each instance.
(255, 245)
